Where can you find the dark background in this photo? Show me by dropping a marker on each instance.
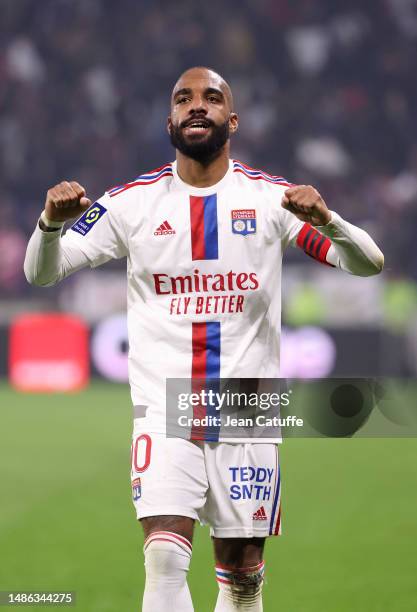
(326, 93)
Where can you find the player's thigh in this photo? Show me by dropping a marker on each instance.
(238, 553)
(169, 482)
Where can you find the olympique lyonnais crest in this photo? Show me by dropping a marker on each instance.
(136, 489)
(244, 222)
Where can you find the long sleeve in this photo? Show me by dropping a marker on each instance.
(351, 249)
(92, 240)
(48, 259)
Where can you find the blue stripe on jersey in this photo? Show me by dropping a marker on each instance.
(275, 179)
(213, 374)
(211, 239)
(213, 349)
(274, 505)
(154, 174)
(151, 176)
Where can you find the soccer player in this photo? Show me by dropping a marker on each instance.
(204, 238)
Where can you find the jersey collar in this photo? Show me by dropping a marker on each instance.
(202, 191)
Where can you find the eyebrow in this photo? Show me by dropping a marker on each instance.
(186, 90)
(211, 90)
(182, 92)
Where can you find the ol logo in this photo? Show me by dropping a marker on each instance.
(136, 489)
(89, 219)
(244, 222)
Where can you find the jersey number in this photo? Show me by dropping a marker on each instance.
(142, 445)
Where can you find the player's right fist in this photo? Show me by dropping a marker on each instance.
(66, 201)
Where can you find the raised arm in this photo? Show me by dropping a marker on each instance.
(50, 257)
(47, 261)
(329, 238)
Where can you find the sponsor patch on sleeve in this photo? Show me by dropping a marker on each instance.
(89, 219)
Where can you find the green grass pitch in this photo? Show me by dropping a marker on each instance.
(67, 522)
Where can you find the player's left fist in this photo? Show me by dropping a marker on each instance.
(306, 204)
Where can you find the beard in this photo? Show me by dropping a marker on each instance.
(201, 150)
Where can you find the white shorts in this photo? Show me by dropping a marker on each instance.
(234, 488)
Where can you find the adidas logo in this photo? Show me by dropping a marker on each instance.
(260, 515)
(164, 229)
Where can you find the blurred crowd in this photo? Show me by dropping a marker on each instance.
(325, 89)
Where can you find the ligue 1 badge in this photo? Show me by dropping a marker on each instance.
(89, 219)
(136, 489)
(244, 222)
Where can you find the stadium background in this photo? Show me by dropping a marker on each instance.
(326, 94)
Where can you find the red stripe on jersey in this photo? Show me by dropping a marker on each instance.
(271, 176)
(197, 227)
(199, 365)
(145, 174)
(262, 178)
(198, 374)
(157, 169)
(130, 185)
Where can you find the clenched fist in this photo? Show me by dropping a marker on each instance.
(306, 204)
(66, 201)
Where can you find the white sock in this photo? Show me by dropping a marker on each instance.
(240, 589)
(167, 559)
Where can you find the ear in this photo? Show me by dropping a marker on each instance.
(233, 123)
(169, 124)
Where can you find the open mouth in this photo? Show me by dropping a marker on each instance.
(197, 126)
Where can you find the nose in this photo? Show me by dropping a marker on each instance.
(199, 105)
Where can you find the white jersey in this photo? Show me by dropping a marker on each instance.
(204, 276)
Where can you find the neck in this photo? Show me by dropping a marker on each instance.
(200, 174)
